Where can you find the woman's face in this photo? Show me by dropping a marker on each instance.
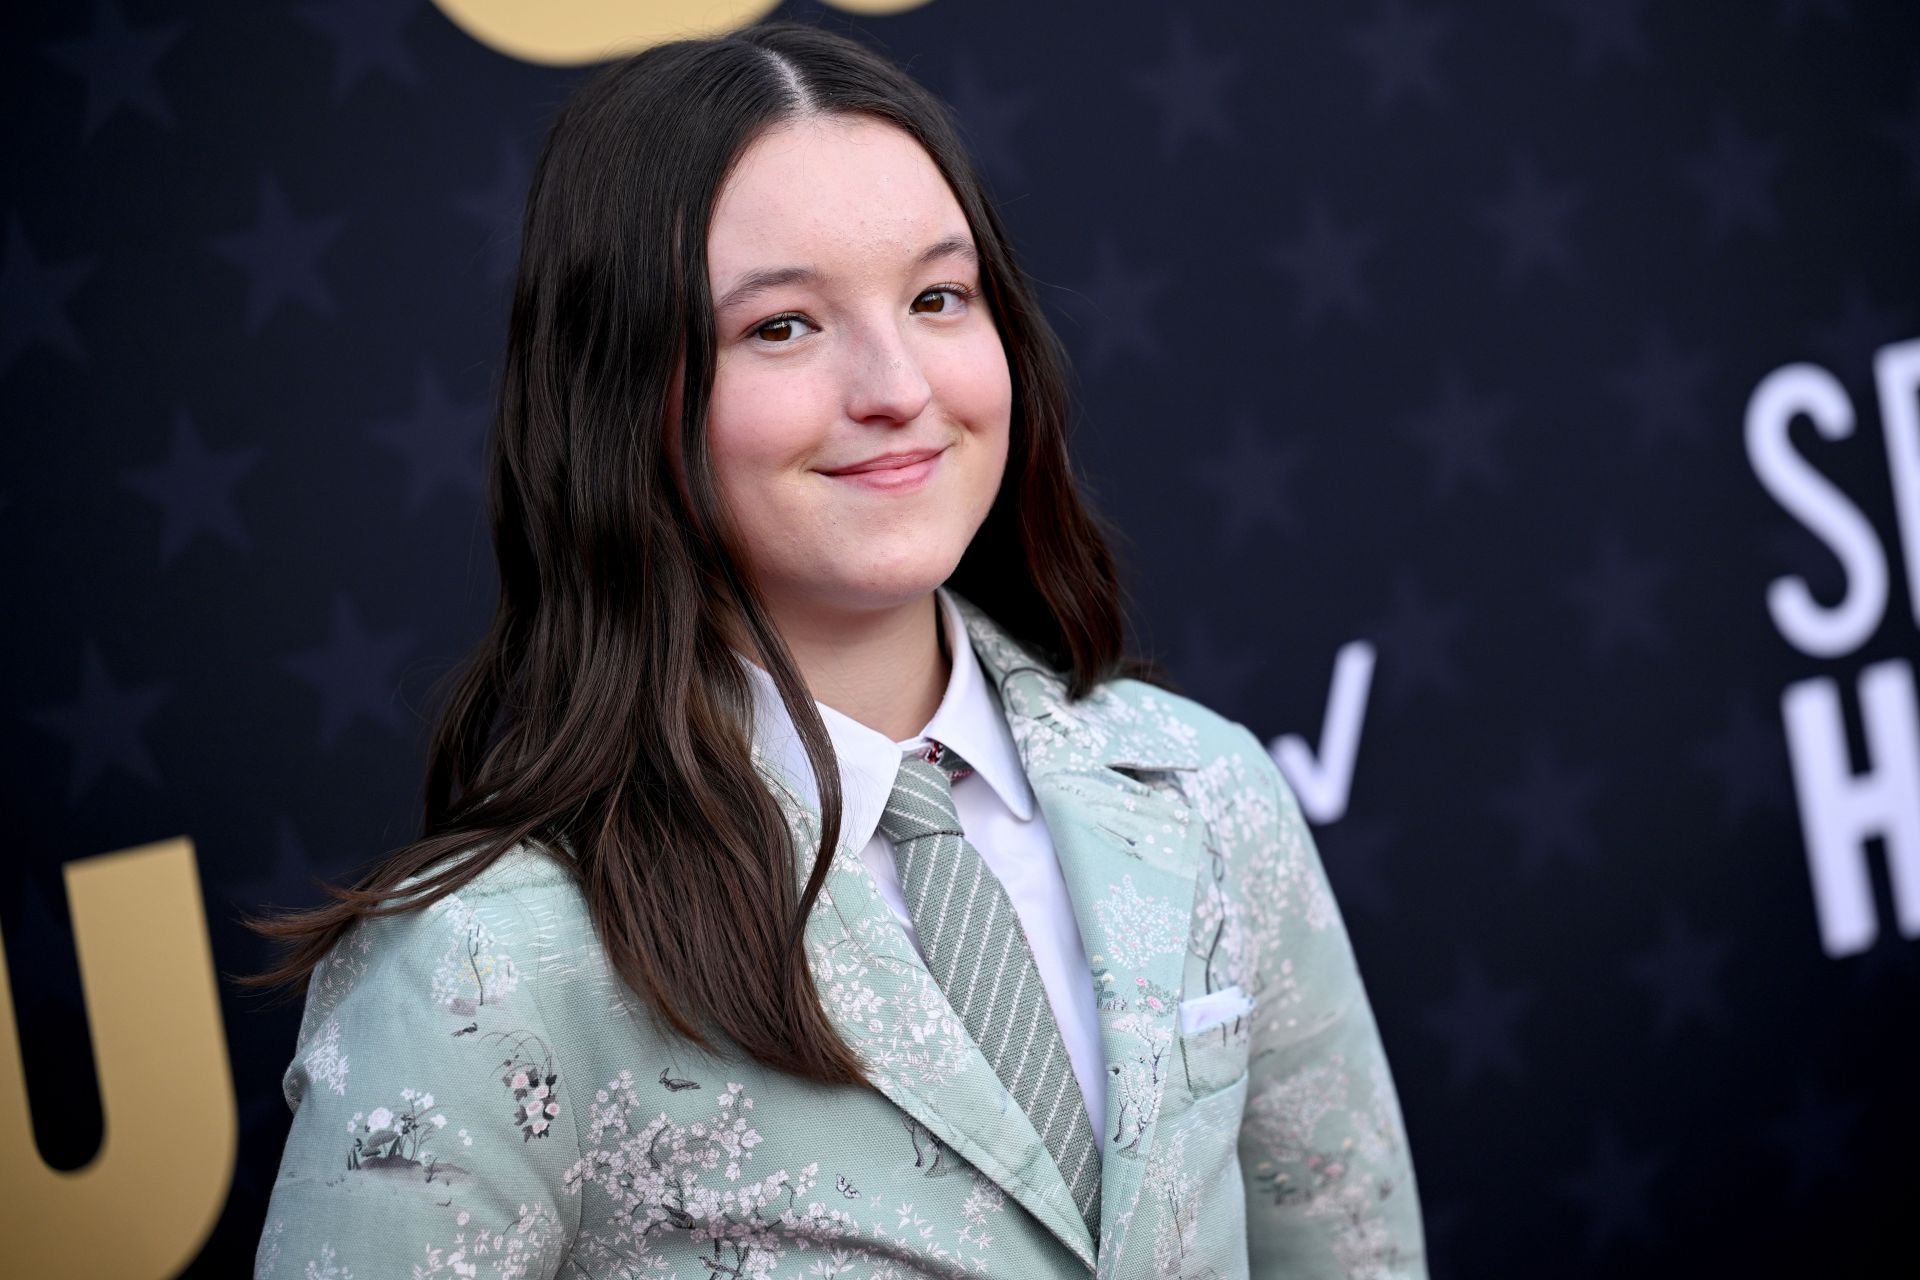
(861, 399)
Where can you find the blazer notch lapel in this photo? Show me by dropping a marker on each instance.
(888, 1008)
(1131, 854)
(1131, 849)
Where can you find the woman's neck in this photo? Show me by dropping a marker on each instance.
(887, 669)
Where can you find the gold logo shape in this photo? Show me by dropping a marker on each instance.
(572, 32)
(142, 1208)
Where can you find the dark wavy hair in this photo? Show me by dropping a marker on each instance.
(604, 710)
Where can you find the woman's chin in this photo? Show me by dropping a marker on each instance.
(879, 593)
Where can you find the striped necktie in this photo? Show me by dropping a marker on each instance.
(978, 953)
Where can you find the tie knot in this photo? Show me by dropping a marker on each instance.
(921, 803)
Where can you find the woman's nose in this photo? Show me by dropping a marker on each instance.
(886, 380)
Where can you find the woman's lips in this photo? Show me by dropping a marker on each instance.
(891, 475)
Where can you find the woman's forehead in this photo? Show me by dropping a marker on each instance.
(830, 193)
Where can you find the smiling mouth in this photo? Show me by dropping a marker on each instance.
(888, 462)
(891, 473)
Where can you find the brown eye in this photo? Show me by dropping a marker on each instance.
(960, 292)
(781, 327)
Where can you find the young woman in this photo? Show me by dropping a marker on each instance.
(810, 886)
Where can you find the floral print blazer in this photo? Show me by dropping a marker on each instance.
(476, 1094)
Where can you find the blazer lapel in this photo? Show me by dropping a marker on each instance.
(891, 1012)
(1131, 853)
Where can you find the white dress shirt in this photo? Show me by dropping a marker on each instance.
(997, 812)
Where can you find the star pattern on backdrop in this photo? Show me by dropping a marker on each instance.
(365, 35)
(1815, 1135)
(1734, 178)
(286, 880)
(991, 116)
(104, 725)
(1397, 48)
(498, 208)
(35, 297)
(1252, 479)
(280, 255)
(1457, 433)
(1356, 852)
(1681, 975)
(1748, 761)
(1118, 305)
(1326, 262)
(194, 490)
(1664, 389)
(354, 672)
(1190, 90)
(1616, 595)
(1605, 32)
(1417, 642)
(1215, 675)
(1859, 326)
(117, 64)
(439, 441)
(1530, 219)
(1478, 1024)
(1614, 1191)
(1550, 809)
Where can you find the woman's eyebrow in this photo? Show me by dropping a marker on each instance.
(758, 282)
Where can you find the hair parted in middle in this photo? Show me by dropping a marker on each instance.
(605, 710)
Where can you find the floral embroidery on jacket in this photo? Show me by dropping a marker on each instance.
(475, 968)
(513, 1253)
(529, 1073)
(1271, 1138)
(396, 1137)
(325, 1062)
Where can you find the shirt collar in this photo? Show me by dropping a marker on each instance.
(969, 720)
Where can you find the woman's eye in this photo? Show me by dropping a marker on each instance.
(782, 325)
(958, 290)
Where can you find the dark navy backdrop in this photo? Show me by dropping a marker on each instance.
(1427, 325)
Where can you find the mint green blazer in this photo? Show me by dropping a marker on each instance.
(476, 1094)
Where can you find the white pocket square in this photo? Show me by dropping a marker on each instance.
(1213, 1008)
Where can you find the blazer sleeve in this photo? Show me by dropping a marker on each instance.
(1323, 1150)
(432, 1130)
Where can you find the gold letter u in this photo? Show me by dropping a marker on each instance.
(143, 1206)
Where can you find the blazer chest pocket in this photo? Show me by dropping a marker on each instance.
(1214, 1035)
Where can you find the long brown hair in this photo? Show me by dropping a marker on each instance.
(604, 710)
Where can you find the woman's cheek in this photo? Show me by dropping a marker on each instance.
(754, 425)
(984, 385)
